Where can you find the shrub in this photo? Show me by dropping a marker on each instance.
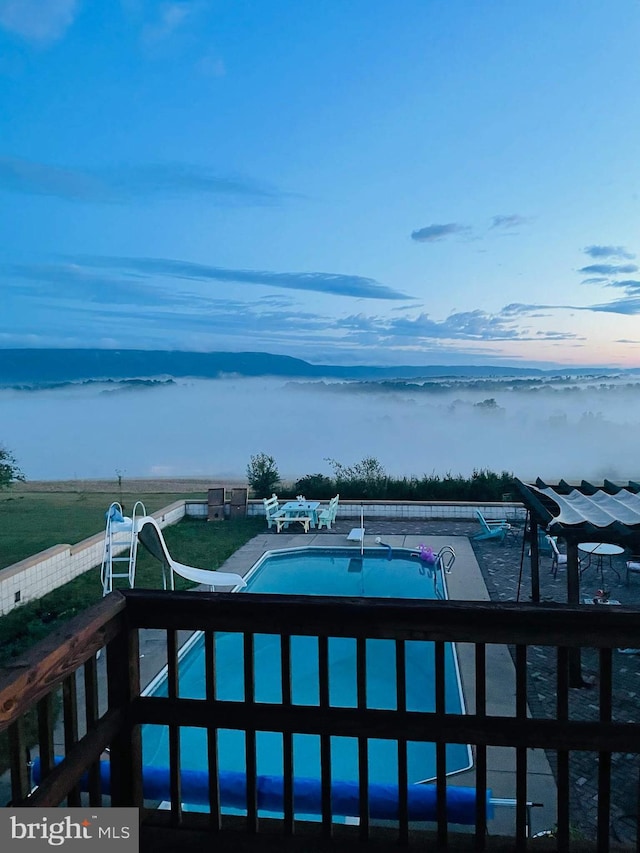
(262, 474)
(9, 470)
(364, 479)
(368, 480)
(317, 485)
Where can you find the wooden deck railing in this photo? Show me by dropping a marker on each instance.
(95, 723)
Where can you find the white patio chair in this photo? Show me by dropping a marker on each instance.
(633, 566)
(271, 510)
(557, 559)
(327, 516)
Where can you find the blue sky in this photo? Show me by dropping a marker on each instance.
(430, 181)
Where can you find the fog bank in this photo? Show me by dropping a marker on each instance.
(210, 428)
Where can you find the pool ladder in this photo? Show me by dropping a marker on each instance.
(120, 545)
(445, 558)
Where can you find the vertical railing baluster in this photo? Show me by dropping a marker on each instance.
(70, 726)
(604, 758)
(441, 747)
(174, 730)
(18, 756)
(562, 715)
(521, 751)
(287, 737)
(325, 739)
(135, 733)
(403, 774)
(363, 742)
(91, 714)
(250, 735)
(481, 749)
(45, 734)
(212, 732)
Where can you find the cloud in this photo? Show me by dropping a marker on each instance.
(177, 180)
(38, 20)
(211, 66)
(608, 269)
(630, 284)
(144, 277)
(608, 252)
(189, 323)
(629, 306)
(474, 325)
(360, 330)
(148, 298)
(25, 176)
(516, 309)
(432, 233)
(131, 183)
(336, 284)
(73, 281)
(512, 220)
(57, 301)
(171, 17)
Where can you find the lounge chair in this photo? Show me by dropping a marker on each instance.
(557, 559)
(492, 529)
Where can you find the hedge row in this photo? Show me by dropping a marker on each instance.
(483, 485)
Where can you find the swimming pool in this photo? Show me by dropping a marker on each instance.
(321, 571)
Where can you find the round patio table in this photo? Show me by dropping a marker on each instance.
(600, 550)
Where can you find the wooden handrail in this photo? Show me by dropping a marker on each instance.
(408, 619)
(44, 667)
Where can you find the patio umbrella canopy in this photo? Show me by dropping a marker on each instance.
(609, 513)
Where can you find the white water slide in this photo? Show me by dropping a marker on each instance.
(122, 536)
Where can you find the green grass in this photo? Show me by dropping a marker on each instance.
(191, 541)
(33, 521)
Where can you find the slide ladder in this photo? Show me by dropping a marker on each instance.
(120, 545)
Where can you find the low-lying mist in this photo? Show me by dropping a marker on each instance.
(578, 430)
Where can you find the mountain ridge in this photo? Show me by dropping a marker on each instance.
(43, 366)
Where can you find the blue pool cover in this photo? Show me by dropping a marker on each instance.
(345, 798)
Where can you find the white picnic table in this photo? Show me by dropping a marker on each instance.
(297, 510)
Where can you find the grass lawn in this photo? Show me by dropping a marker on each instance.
(32, 521)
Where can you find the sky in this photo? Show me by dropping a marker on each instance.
(422, 182)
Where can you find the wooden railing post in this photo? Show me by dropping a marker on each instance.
(535, 562)
(123, 685)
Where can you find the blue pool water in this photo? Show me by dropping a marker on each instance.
(321, 572)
